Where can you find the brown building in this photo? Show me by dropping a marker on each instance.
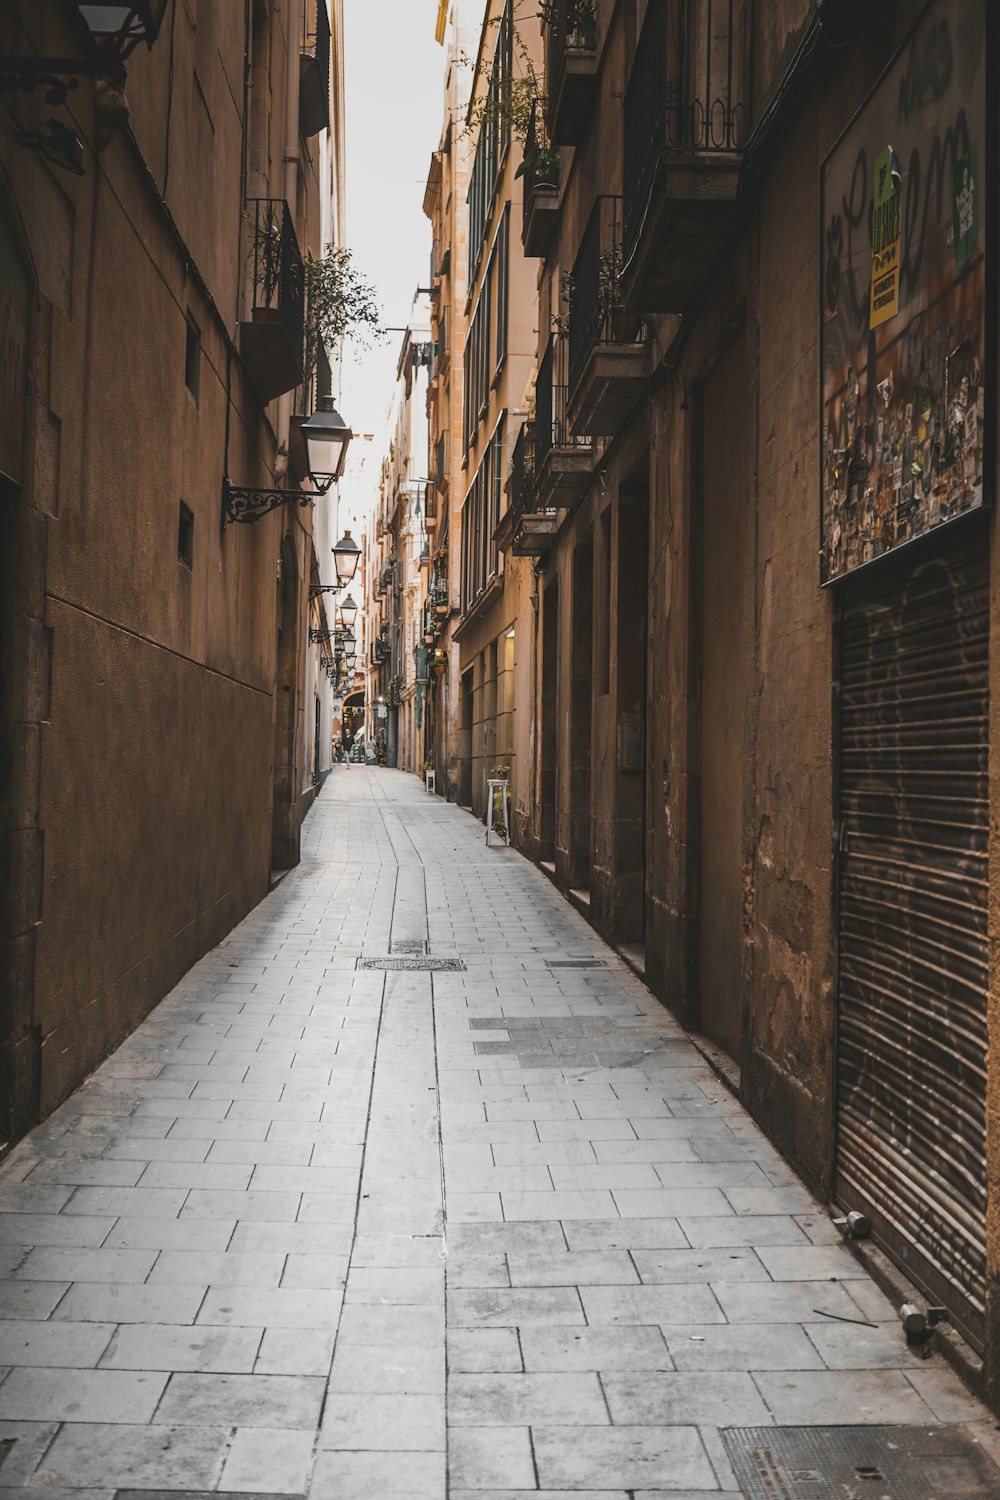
(159, 695)
(754, 480)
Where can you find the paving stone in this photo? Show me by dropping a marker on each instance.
(95, 1302)
(61, 1395)
(673, 1399)
(180, 1267)
(483, 1349)
(831, 1397)
(362, 1476)
(625, 1457)
(93, 1455)
(677, 1303)
(664, 1266)
(242, 1400)
(603, 1349)
(30, 1299)
(53, 1345)
(295, 1351)
(557, 1306)
(269, 1459)
(139, 1346)
(525, 1400)
(52, 1264)
(574, 1268)
(491, 1457)
(401, 1422)
(417, 1369)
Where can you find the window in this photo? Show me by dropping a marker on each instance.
(494, 138)
(604, 604)
(480, 517)
(185, 536)
(192, 357)
(476, 367)
(501, 262)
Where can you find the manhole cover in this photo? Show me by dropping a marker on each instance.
(861, 1463)
(426, 965)
(575, 963)
(408, 945)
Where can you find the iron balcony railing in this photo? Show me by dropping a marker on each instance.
(541, 160)
(686, 91)
(276, 291)
(552, 428)
(522, 475)
(596, 314)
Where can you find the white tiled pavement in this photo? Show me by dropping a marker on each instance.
(309, 1231)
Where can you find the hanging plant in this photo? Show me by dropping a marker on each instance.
(340, 304)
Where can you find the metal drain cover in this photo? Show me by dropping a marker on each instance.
(424, 965)
(408, 945)
(861, 1463)
(575, 963)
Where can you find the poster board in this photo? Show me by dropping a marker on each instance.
(905, 409)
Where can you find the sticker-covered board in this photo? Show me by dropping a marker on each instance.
(903, 289)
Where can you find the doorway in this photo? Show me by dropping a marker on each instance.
(913, 761)
(465, 703)
(581, 717)
(550, 737)
(632, 587)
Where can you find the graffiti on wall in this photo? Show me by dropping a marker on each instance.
(904, 299)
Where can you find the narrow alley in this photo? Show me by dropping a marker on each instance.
(411, 1188)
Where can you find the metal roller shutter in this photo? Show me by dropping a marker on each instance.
(911, 1046)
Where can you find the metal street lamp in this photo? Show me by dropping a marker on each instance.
(326, 436)
(348, 612)
(348, 641)
(107, 33)
(124, 25)
(346, 555)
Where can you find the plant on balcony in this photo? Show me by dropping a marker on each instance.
(622, 326)
(581, 21)
(392, 693)
(340, 304)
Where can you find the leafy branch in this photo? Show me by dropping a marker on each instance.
(340, 303)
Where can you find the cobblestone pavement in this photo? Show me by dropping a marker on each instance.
(321, 1228)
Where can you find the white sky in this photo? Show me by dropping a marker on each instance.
(394, 105)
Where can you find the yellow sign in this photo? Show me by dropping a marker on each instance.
(885, 242)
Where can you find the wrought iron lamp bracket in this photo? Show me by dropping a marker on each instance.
(316, 589)
(246, 504)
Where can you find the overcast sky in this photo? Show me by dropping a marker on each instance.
(394, 106)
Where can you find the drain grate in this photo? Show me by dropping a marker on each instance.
(409, 945)
(861, 1463)
(575, 963)
(424, 965)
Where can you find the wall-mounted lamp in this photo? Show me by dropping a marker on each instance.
(326, 436)
(108, 35)
(346, 556)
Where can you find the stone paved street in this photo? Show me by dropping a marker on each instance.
(321, 1228)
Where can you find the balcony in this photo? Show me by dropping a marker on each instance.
(540, 207)
(527, 530)
(272, 342)
(608, 364)
(314, 73)
(570, 68)
(686, 122)
(563, 463)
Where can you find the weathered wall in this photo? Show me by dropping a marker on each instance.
(139, 812)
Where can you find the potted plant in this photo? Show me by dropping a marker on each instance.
(501, 795)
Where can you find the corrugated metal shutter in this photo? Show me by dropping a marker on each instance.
(911, 1048)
